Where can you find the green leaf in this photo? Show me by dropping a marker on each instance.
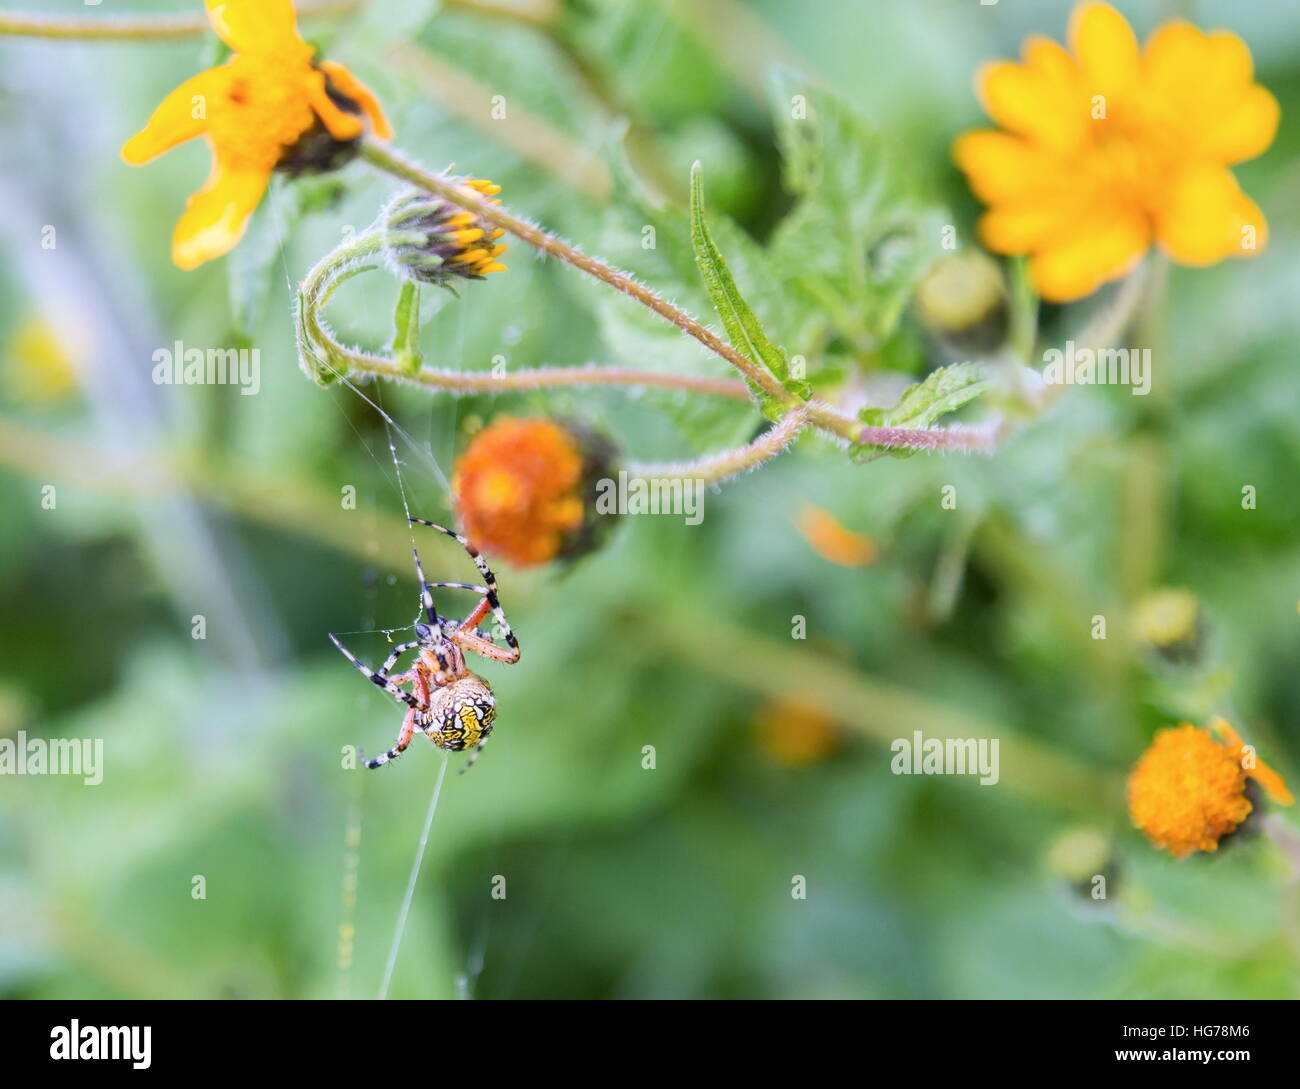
(654, 243)
(633, 335)
(406, 328)
(943, 391)
(744, 330)
(855, 244)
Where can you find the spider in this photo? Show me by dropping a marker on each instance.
(451, 706)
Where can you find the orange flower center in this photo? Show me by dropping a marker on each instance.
(1132, 158)
(263, 109)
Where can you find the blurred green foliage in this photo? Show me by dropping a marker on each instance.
(222, 755)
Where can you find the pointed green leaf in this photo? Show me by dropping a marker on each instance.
(743, 328)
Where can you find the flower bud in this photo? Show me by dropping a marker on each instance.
(1082, 860)
(433, 241)
(962, 300)
(1171, 623)
(795, 733)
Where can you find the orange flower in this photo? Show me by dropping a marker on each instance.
(1108, 148)
(521, 489)
(257, 111)
(1189, 791)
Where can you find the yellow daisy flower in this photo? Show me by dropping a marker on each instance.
(260, 112)
(1108, 148)
(1189, 790)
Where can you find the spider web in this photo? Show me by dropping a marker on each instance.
(464, 982)
(423, 453)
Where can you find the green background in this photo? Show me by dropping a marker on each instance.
(222, 755)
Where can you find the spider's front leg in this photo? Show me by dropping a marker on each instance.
(403, 740)
(379, 679)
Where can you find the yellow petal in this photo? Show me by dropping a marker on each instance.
(216, 215)
(1273, 784)
(181, 116)
(1228, 59)
(1182, 60)
(1002, 167)
(343, 80)
(341, 124)
(1245, 130)
(1206, 217)
(1032, 103)
(1103, 247)
(251, 26)
(1051, 60)
(1172, 56)
(1106, 48)
(1201, 86)
(1024, 226)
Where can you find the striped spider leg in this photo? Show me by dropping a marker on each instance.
(465, 633)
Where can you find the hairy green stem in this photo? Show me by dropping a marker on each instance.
(329, 358)
(536, 378)
(539, 13)
(715, 468)
(386, 159)
(138, 28)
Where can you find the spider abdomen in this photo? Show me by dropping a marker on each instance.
(461, 713)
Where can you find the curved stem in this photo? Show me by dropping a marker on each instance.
(539, 13)
(819, 413)
(325, 355)
(141, 28)
(386, 159)
(715, 468)
(534, 378)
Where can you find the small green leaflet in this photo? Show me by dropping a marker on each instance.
(743, 328)
(406, 328)
(943, 391)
